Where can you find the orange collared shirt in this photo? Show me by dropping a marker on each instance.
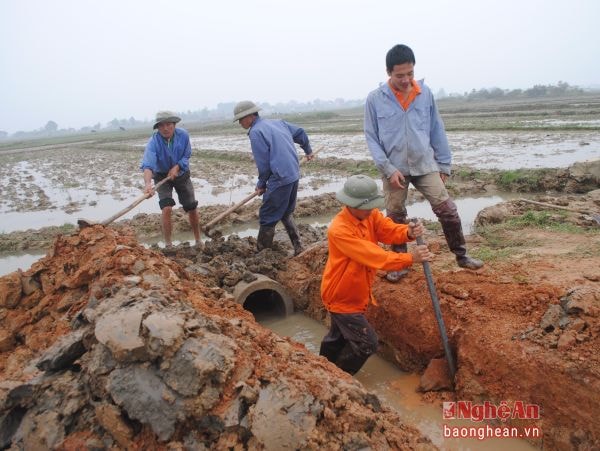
(412, 95)
(355, 257)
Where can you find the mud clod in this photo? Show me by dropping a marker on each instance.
(159, 358)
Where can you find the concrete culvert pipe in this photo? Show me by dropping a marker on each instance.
(263, 297)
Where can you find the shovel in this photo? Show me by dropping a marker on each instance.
(82, 223)
(438, 312)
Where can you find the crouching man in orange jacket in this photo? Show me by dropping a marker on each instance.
(354, 258)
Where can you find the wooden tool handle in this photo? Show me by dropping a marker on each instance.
(216, 219)
(134, 204)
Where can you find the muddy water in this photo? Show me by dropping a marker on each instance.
(40, 192)
(468, 208)
(482, 150)
(395, 388)
(55, 211)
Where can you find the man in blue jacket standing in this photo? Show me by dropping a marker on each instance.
(272, 142)
(167, 155)
(406, 137)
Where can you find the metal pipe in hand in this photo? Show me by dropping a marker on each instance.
(438, 314)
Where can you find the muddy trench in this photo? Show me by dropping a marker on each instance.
(109, 344)
(515, 340)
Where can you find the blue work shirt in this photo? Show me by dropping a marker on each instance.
(160, 156)
(414, 141)
(272, 142)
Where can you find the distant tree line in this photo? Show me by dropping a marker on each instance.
(225, 110)
(560, 89)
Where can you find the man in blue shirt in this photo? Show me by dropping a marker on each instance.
(272, 142)
(406, 137)
(167, 155)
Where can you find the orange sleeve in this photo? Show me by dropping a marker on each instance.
(371, 254)
(354, 257)
(387, 231)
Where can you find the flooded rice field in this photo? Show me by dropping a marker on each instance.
(58, 186)
(480, 150)
(44, 187)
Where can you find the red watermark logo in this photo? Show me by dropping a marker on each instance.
(468, 410)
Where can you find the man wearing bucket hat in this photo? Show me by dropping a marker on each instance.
(354, 257)
(406, 137)
(167, 155)
(272, 143)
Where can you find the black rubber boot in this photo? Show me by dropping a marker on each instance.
(265, 237)
(292, 231)
(395, 276)
(331, 350)
(349, 361)
(448, 217)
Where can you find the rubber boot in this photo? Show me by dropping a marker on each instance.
(331, 350)
(448, 217)
(292, 231)
(265, 237)
(349, 361)
(395, 276)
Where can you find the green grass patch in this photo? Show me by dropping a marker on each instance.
(501, 241)
(555, 222)
(520, 180)
(487, 254)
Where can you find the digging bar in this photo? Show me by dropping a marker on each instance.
(85, 223)
(438, 313)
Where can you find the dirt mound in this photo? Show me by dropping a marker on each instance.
(107, 344)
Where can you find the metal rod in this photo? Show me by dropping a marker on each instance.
(438, 314)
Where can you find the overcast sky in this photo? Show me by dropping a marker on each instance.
(79, 62)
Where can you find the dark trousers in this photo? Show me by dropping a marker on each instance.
(183, 187)
(278, 203)
(349, 342)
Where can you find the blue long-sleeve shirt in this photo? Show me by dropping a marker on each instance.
(272, 142)
(413, 142)
(160, 155)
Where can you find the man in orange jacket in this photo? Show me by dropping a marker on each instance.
(354, 258)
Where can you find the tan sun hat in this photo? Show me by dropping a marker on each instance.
(165, 116)
(360, 191)
(243, 109)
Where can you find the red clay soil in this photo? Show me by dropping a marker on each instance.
(506, 348)
(263, 392)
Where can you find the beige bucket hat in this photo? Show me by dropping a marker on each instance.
(165, 116)
(243, 109)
